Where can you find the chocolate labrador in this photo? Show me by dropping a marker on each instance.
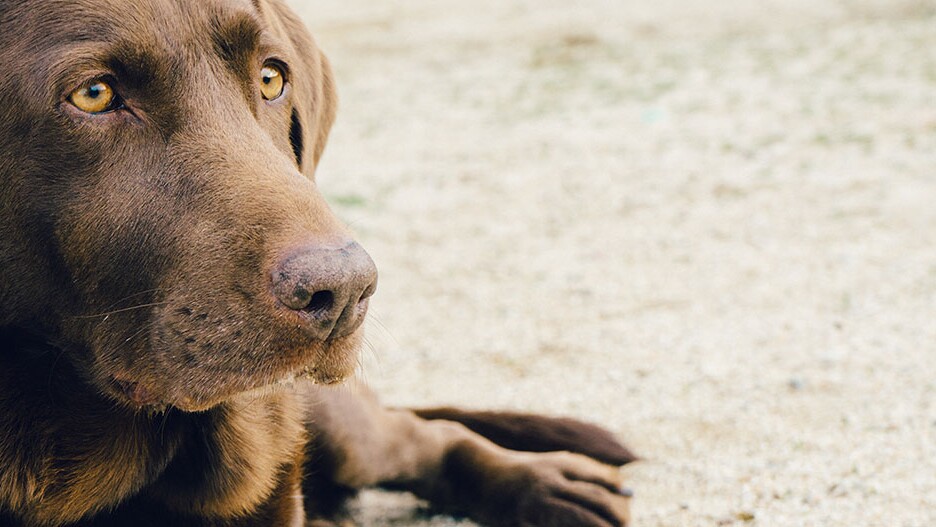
(176, 296)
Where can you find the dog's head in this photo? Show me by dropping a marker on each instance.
(160, 220)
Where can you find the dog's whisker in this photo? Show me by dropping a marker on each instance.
(361, 371)
(124, 310)
(134, 295)
(379, 325)
(137, 333)
(369, 346)
(383, 331)
(110, 308)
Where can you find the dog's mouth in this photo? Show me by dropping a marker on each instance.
(139, 395)
(330, 363)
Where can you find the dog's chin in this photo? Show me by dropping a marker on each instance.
(327, 363)
(316, 375)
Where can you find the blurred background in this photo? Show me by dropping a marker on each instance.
(709, 226)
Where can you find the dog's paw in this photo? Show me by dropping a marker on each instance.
(560, 489)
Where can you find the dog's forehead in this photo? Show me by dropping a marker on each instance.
(176, 23)
(57, 44)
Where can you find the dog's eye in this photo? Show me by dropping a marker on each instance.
(94, 97)
(272, 81)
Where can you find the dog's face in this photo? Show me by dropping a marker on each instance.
(159, 217)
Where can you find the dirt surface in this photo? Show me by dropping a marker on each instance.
(710, 226)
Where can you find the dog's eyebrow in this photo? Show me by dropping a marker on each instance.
(237, 36)
(138, 65)
(133, 65)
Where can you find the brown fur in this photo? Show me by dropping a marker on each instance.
(147, 374)
(537, 433)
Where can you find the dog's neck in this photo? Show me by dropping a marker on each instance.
(77, 453)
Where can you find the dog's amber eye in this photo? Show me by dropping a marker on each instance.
(95, 97)
(271, 82)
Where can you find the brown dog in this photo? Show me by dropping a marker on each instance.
(174, 292)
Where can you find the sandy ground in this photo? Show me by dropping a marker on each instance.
(710, 226)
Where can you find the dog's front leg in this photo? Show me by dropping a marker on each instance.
(357, 443)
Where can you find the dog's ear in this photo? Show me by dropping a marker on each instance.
(315, 97)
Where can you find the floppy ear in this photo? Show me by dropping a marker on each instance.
(314, 96)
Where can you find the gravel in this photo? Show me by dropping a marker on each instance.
(709, 226)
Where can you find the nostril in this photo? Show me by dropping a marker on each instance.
(328, 286)
(368, 292)
(321, 302)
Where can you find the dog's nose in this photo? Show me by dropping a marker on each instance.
(329, 286)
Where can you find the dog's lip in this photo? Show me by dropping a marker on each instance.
(321, 376)
(136, 392)
(142, 396)
(144, 392)
(316, 375)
